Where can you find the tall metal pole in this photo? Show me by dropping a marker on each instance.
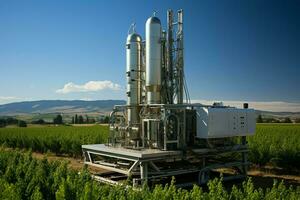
(180, 64)
(170, 89)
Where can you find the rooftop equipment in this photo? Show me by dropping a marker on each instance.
(159, 133)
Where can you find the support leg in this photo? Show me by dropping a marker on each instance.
(244, 157)
(144, 172)
(87, 157)
(203, 162)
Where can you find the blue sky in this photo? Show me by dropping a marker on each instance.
(234, 50)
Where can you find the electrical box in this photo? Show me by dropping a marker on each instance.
(216, 122)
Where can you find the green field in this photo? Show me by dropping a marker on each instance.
(276, 144)
(59, 140)
(23, 177)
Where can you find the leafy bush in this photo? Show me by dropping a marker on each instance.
(58, 120)
(39, 121)
(23, 177)
(278, 144)
(22, 123)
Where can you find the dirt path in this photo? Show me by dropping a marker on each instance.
(259, 173)
(74, 163)
(263, 179)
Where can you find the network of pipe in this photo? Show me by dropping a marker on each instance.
(156, 114)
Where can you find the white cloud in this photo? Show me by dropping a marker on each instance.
(8, 99)
(275, 106)
(91, 86)
(86, 99)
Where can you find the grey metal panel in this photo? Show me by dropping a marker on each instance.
(222, 122)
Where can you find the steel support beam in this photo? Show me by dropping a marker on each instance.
(144, 172)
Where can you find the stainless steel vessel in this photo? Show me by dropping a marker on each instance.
(153, 60)
(133, 72)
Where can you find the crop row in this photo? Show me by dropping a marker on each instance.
(278, 144)
(59, 140)
(23, 177)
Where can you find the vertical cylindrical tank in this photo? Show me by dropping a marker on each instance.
(153, 60)
(133, 71)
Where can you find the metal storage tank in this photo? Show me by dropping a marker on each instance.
(133, 71)
(153, 60)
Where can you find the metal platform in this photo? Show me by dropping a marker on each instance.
(153, 164)
(117, 152)
(126, 161)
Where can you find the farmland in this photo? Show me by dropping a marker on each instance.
(57, 139)
(275, 144)
(24, 177)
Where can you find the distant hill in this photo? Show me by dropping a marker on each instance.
(292, 115)
(58, 106)
(88, 107)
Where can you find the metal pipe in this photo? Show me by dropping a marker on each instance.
(170, 91)
(174, 105)
(180, 57)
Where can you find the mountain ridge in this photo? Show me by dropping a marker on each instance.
(84, 106)
(58, 106)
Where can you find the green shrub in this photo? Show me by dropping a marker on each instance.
(23, 177)
(22, 123)
(277, 144)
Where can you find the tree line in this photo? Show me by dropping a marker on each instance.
(12, 121)
(261, 119)
(58, 119)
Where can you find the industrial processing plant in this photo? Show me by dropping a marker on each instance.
(149, 100)
(159, 133)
